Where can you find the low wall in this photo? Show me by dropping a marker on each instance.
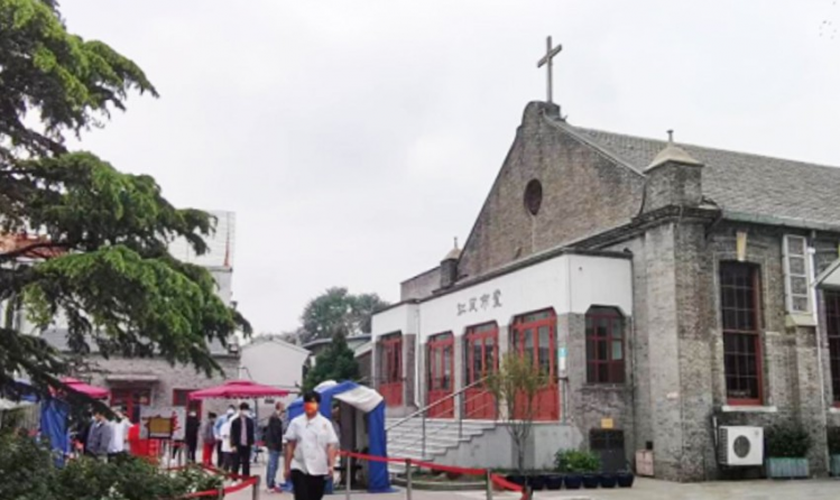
(495, 449)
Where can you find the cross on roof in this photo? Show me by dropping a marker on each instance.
(546, 61)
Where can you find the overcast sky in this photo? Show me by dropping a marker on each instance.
(355, 139)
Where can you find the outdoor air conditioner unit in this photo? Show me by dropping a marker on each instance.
(741, 445)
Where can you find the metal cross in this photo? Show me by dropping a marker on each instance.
(546, 60)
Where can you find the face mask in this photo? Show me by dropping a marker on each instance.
(310, 408)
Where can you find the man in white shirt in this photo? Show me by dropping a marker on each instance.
(311, 448)
(119, 434)
(227, 446)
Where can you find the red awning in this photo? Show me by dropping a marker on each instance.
(238, 389)
(90, 390)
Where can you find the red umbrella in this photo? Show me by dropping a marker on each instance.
(238, 389)
(79, 386)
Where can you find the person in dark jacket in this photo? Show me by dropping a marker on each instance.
(241, 440)
(274, 444)
(99, 436)
(191, 435)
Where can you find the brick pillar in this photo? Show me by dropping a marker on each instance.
(409, 362)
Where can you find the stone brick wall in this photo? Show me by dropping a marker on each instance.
(169, 377)
(420, 286)
(678, 376)
(586, 404)
(583, 193)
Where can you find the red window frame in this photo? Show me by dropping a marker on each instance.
(440, 349)
(832, 322)
(132, 398)
(479, 403)
(180, 397)
(390, 369)
(440, 363)
(604, 337)
(543, 357)
(740, 307)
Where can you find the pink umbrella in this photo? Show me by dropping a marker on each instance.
(238, 389)
(79, 386)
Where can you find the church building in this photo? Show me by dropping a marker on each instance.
(668, 290)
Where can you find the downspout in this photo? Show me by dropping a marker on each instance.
(417, 357)
(634, 350)
(812, 250)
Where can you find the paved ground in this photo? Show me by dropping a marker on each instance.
(644, 489)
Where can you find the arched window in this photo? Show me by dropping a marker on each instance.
(604, 346)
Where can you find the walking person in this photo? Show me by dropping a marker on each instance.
(311, 448)
(99, 436)
(226, 446)
(217, 431)
(208, 439)
(274, 444)
(191, 435)
(242, 439)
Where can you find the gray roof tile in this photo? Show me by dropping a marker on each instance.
(742, 182)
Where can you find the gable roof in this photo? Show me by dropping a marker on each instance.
(743, 183)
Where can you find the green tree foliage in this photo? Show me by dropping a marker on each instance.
(337, 362)
(103, 234)
(337, 309)
(515, 386)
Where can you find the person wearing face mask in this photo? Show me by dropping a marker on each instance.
(241, 440)
(311, 449)
(119, 434)
(220, 441)
(191, 435)
(99, 436)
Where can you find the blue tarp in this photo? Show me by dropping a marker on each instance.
(54, 414)
(378, 480)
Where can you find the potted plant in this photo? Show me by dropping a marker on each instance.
(834, 450)
(608, 480)
(787, 450)
(554, 482)
(537, 481)
(579, 467)
(624, 478)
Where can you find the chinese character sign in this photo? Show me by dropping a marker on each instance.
(480, 302)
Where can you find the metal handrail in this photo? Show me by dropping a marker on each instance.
(422, 437)
(439, 401)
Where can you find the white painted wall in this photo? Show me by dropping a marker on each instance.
(567, 283)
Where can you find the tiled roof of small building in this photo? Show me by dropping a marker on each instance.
(742, 182)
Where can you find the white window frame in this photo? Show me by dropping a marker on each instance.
(805, 256)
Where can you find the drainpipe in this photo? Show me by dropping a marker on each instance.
(812, 251)
(417, 344)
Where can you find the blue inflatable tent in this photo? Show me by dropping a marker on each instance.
(369, 402)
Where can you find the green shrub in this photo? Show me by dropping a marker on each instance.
(576, 461)
(130, 478)
(787, 441)
(834, 440)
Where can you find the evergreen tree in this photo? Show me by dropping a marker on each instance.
(337, 363)
(100, 250)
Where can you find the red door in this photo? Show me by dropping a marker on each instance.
(534, 336)
(441, 366)
(391, 382)
(482, 357)
(132, 398)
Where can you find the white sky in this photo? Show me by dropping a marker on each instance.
(355, 139)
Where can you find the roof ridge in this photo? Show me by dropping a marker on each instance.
(611, 155)
(706, 148)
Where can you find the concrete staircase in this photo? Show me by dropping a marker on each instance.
(406, 440)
